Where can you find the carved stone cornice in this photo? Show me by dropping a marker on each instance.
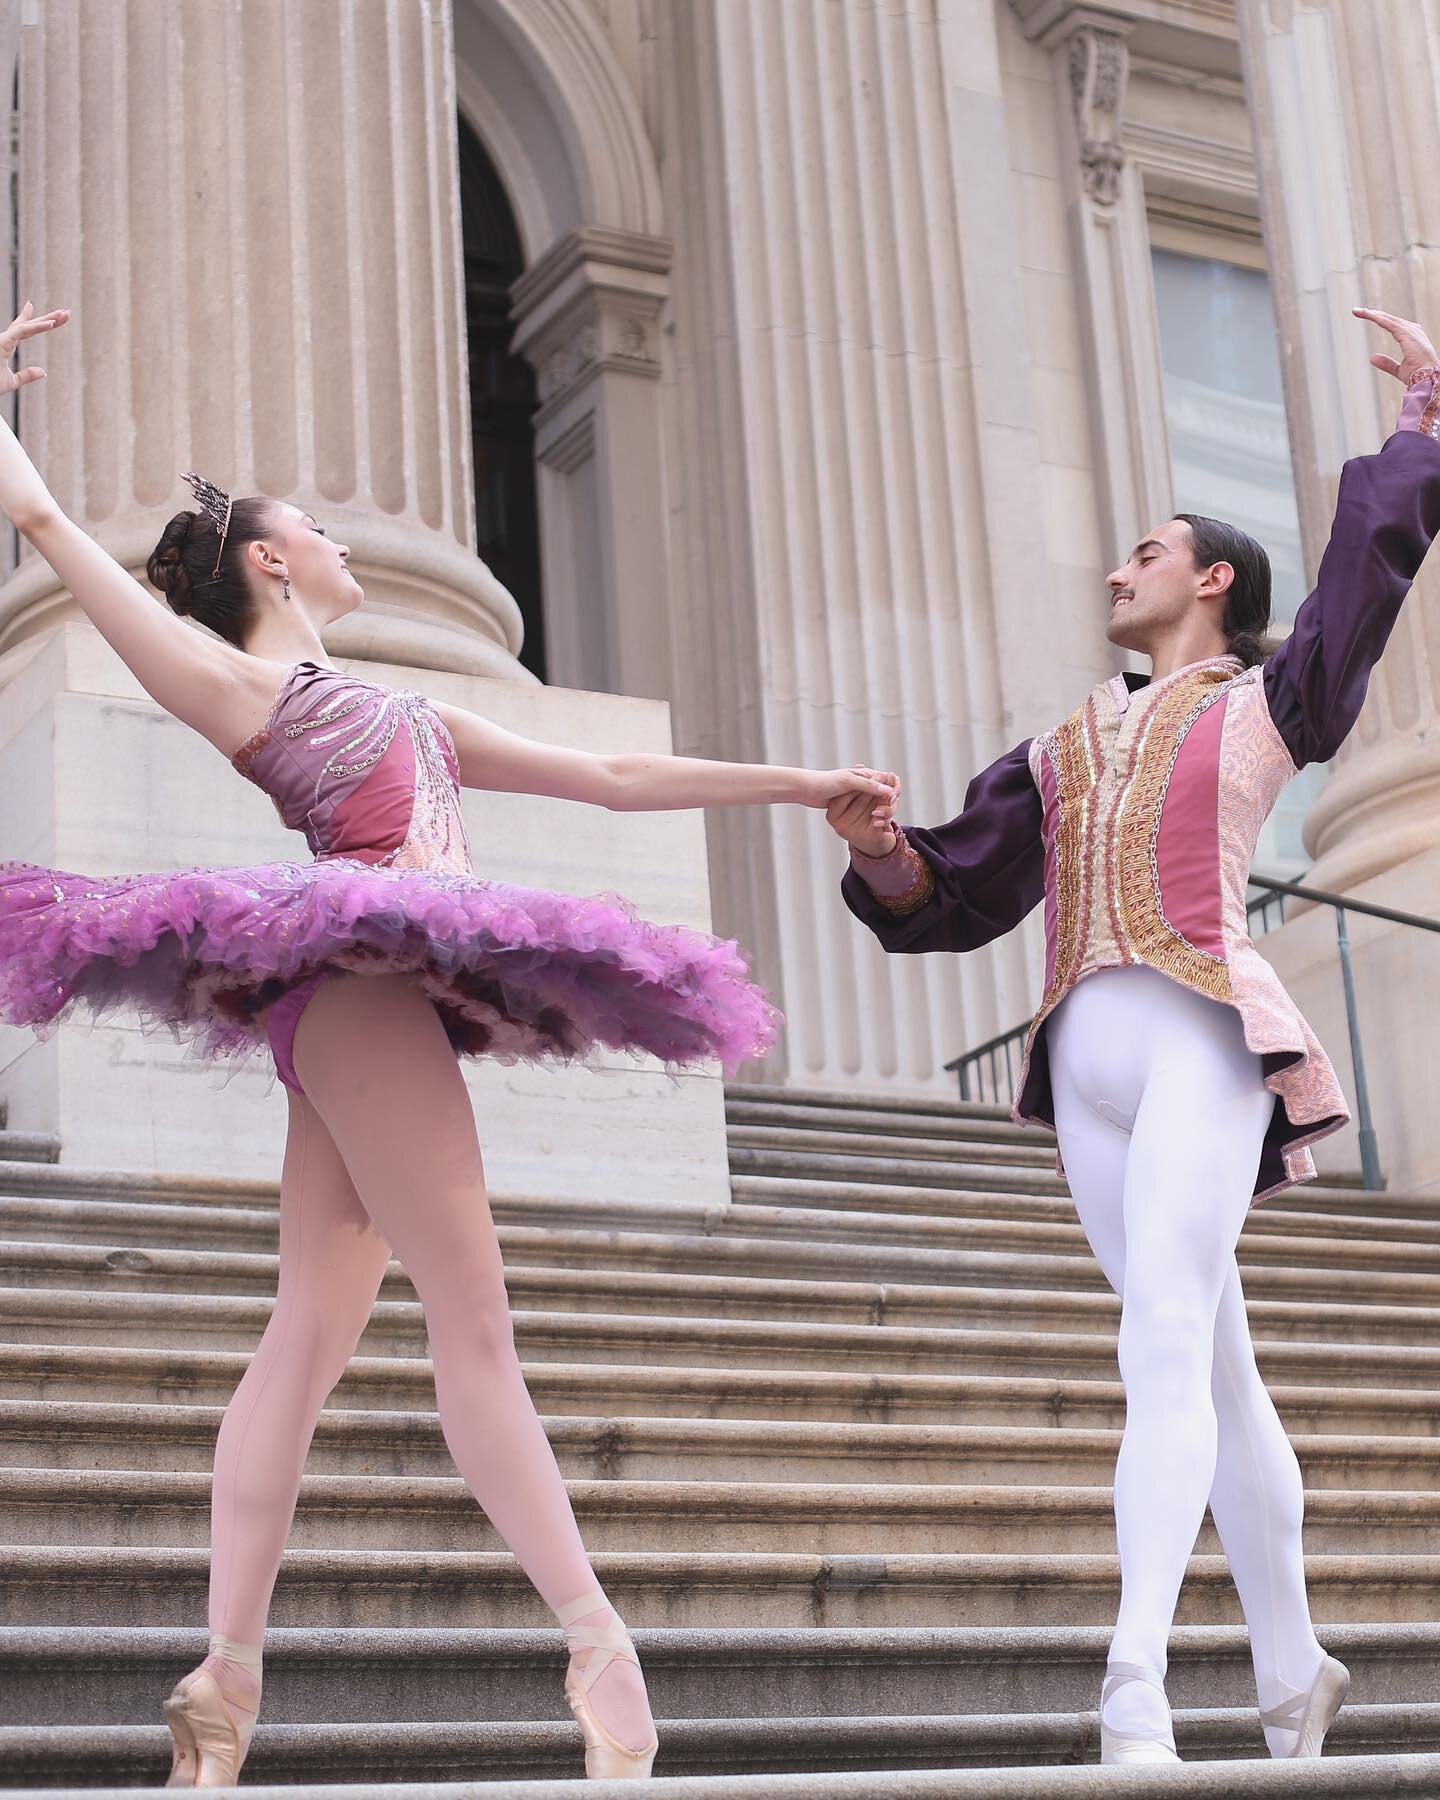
(1048, 20)
(591, 303)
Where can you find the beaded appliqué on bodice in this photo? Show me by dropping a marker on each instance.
(346, 736)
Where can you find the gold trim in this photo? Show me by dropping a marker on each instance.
(1075, 786)
(922, 884)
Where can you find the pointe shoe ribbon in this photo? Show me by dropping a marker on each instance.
(1131, 1746)
(1311, 1714)
(606, 1758)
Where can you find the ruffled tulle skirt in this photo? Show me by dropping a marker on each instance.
(519, 974)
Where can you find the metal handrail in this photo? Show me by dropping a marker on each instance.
(969, 1067)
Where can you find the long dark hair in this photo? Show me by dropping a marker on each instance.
(1247, 604)
(182, 566)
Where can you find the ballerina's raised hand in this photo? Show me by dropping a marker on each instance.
(27, 323)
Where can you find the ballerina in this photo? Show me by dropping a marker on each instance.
(366, 973)
(1136, 820)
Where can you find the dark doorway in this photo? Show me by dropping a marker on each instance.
(502, 395)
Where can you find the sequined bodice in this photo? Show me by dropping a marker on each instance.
(364, 771)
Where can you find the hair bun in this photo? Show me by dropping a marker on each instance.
(166, 566)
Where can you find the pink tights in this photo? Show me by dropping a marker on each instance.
(382, 1151)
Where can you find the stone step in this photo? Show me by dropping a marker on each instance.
(1038, 1292)
(243, 1217)
(889, 1146)
(1036, 1176)
(638, 1263)
(1366, 1344)
(164, 1509)
(28, 1147)
(760, 1241)
(842, 1111)
(74, 1434)
(76, 1181)
(744, 1100)
(1353, 1777)
(94, 1586)
(53, 1372)
(89, 1755)
(118, 1674)
(920, 1215)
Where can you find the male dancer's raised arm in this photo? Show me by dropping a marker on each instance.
(1387, 514)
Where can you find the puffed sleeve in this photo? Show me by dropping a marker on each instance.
(1386, 515)
(959, 885)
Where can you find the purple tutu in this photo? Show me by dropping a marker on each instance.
(515, 973)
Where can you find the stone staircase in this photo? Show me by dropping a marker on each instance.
(842, 1451)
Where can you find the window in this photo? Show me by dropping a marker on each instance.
(502, 395)
(1230, 455)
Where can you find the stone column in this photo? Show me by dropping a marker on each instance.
(1345, 98)
(875, 525)
(253, 211)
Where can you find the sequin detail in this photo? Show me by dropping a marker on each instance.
(922, 876)
(1430, 417)
(355, 730)
(244, 757)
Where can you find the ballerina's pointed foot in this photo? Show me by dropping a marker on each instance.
(1311, 1714)
(606, 1758)
(1127, 1747)
(211, 1733)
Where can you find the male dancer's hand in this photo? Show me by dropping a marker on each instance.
(857, 819)
(1416, 350)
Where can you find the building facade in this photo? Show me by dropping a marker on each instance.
(802, 364)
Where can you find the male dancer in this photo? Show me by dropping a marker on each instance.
(1179, 1077)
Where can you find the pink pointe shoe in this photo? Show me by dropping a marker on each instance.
(606, 1758)
(211, 1730)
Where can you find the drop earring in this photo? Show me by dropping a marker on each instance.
(284, 584)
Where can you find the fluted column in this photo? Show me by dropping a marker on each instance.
(252, 208)
(1345, 98)
(861, 563)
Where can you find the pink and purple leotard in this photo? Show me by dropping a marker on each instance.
(370, 775)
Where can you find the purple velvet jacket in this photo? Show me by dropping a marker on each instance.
(1135, 819)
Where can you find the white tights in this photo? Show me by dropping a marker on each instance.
(1161, 1113)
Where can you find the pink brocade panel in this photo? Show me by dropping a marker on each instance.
(1187, 848)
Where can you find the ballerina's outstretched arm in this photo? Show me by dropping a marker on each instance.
(491, 757)
(193, 676)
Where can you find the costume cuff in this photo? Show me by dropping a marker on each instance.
(1421, 408)
(902, 881)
